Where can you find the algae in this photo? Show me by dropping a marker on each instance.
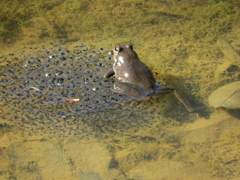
(191, 45)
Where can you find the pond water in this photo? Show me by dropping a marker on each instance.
(59, 119)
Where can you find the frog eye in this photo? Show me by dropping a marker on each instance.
(118, 48)
(129, 46)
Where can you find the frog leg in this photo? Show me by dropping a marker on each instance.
(128, 90)
(109, 74)
(183, 100)
(159, 90)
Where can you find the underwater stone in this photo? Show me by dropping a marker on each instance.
(227, 96)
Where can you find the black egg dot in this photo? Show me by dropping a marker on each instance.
(37, 74)
(20, 95)
(84, 94)
(111, 97)
(10, 71)
(97, 69)
(56, 63)
(59, 73)
(59, 48)
(62, 113)
(86, 99)
(5, 80)
(41, 88)
(71, 57)
(47, 74)
(95, 101)
(61, 53)
(77, 111)
(37, 60)
(110, 53)
(62, 58)
(86, 72)
(77, 52)
(60, 80)
(51, 56)
(95, 88)
(59, 99)
(28, 62)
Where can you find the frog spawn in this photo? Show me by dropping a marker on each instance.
(35, 94)
(61, 76)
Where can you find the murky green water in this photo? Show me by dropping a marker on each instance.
(54, 52)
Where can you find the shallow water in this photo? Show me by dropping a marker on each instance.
(59, 119)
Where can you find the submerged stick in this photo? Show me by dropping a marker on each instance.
(183, 100)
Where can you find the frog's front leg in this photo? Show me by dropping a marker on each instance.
(183, 100)
(109, 74)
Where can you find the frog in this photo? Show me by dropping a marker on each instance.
(135, 79)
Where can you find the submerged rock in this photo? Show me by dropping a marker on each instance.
(227, 96)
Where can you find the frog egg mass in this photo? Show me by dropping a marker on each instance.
(60, 90)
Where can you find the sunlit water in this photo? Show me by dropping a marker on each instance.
(59, 119)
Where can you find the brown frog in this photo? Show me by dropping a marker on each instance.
(135, 79)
